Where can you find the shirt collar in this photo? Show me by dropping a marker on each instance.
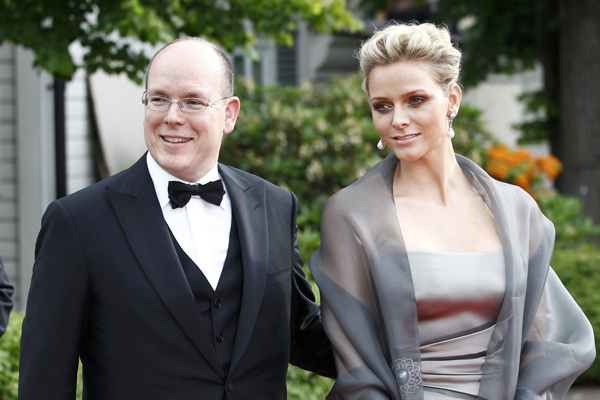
(161, 178)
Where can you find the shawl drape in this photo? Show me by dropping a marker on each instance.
(541, 341)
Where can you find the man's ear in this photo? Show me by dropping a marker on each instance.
(232, 109)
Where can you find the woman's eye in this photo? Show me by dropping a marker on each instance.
(381, 107)
(416, 100)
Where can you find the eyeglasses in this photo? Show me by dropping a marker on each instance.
(191, 105)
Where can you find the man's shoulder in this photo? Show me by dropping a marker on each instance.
(252, 179)
(93, 194)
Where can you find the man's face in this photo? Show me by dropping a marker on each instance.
(187, 144)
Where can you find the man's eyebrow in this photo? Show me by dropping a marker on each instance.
(194, 94)
(156, 92)
(185, 95)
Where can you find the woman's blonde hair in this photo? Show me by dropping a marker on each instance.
(412, 42)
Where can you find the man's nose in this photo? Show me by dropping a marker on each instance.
(174, 114)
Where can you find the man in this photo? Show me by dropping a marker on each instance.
(163, 299)
(6, 291)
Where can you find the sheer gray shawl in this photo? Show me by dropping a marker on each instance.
(542, 340)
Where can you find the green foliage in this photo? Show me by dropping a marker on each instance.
(312, 141)
(304, 385)
(542, 108)
(10, 351)
(471, 136)
(496, 35)
(308, 241)
(79, 390)
(579, 269)
(566, 213)
(576, 260)
(500, 36)
(9, 357)
(106, 27)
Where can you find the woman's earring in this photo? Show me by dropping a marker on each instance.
(450, 130)
(381, 144)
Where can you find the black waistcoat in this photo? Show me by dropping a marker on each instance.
(219, 308)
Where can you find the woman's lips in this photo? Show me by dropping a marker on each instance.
(405, 138)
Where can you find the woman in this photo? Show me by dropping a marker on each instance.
(434, 277)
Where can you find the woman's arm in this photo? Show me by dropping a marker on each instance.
(341, 269)
(559, 347)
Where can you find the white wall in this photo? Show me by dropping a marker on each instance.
(35, 163)
(26, 162)
(120, 115)
(497, 97)
(27, 156)
(80, 160)
(8, 179)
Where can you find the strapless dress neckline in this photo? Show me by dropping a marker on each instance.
(459, 296)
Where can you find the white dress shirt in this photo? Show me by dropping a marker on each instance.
(202, 229)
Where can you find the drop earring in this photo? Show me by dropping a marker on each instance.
(450, 130)
(380, 144)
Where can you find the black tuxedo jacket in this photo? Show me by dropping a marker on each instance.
(6, 291)
(108, 288)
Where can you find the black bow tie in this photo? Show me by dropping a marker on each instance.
(180, 193)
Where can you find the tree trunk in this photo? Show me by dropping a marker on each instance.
(579, 102)
(548, 39)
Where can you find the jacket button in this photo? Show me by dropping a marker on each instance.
(230, 385)
(217, 303)
(220, 337)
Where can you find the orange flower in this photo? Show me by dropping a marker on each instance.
(550, 165)
(498, 148)
(522, 155)
(499, 152)
(523, 181)
(497, 170)
(520, 168)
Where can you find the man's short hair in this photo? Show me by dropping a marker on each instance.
(226, 67)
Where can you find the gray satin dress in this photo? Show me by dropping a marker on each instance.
(399, 335)
(459, 296)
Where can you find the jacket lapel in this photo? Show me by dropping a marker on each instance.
(249, 210)
(141, 218)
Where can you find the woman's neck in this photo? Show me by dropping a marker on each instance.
(433, 178)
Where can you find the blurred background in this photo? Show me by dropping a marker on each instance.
(71, 76)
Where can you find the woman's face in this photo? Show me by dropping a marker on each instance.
(410, 110)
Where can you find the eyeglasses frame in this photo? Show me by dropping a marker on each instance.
(179, 103)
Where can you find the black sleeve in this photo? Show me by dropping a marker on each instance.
(310, 348)
(56, 311)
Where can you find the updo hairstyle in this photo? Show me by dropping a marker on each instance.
(412, 42)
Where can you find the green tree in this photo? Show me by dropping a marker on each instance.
(106, 28)
(564, 37)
